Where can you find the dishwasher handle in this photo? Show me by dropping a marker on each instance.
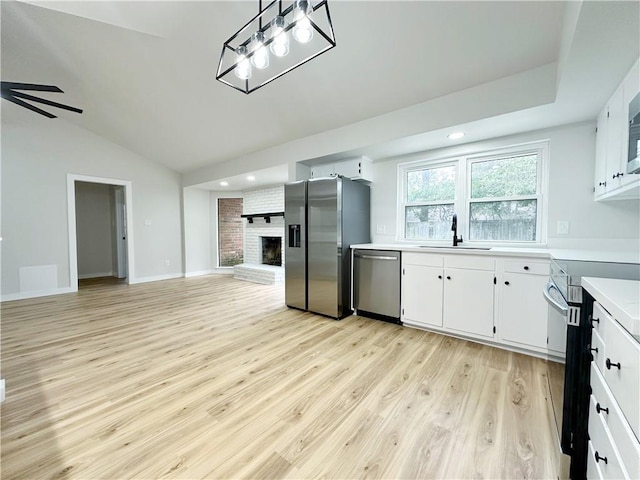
(375, 257)
(554, 298)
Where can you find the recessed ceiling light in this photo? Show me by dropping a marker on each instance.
(224, 184)
(251, 178)
(455, 135)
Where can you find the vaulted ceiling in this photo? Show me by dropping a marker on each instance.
(144, 73)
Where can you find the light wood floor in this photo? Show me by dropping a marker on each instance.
(211, 377)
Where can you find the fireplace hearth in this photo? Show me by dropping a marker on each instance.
(271, 251)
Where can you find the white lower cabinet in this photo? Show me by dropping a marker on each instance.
(422, 295)
(468, 301)
(523, 312)
(496, 299)
(447, 298)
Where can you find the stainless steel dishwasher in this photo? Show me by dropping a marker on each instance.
(376, 284)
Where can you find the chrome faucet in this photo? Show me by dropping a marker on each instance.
(454, 229)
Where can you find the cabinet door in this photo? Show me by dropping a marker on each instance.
(323, 171)
(468, 301)
(599, 185)
(523, 310)
(615, 136)
(422, 295)
(349, 168)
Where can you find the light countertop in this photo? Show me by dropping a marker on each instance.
(621, 298)
(531, 252)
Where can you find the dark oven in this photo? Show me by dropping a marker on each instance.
(569, 384)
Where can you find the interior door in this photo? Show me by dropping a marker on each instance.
(120, 232)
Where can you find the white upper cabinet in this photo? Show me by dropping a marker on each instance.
(611, 180)
(354, 168)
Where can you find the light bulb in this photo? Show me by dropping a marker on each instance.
(243, 68)
(280, 44)
(303, 30)
(260, 57)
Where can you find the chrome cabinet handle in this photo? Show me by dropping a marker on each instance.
(610, 364)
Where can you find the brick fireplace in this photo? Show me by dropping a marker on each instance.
(260, 232)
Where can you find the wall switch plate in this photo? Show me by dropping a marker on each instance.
(562, 227)
(381, 229)
(167, 263)
(147, 222)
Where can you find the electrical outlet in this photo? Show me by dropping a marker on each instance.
(147, 222)
(562, 227)
(167, 263)
(381, 229)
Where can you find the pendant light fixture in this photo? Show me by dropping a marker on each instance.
(262, 50)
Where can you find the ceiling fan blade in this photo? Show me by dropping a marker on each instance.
(46, 102)
(29, 106)
(30, 86)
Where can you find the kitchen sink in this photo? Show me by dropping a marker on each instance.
(451, 247)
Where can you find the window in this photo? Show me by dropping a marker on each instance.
(497, 197)
(503, 203)
(230, 232)
(430, 201)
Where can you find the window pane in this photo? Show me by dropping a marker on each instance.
(510, 220)
(429, 222)
(504, 177)
(431, 184)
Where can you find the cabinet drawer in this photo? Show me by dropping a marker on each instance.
(607, 456)
(597, 351)
(599, 319)
(621, 433)
(622, 370)
(525, 266)
(426, 259)
(470, 262)
(593, 470)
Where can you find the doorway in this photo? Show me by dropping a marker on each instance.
(100, 240)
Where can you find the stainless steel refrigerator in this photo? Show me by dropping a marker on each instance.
(323, 218)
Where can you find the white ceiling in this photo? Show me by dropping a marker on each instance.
(403, 75)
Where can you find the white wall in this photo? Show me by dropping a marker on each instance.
(572, 159)
(37, 155)
(94, 223)
(197, 231)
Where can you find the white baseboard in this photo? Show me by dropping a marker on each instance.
(84, 276)
(156, 278)
(36, 293)
(198, 273)
(2, 391)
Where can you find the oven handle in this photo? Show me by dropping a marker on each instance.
(556, 301)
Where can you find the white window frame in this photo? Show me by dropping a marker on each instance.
(463, 198)
(416, 166)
